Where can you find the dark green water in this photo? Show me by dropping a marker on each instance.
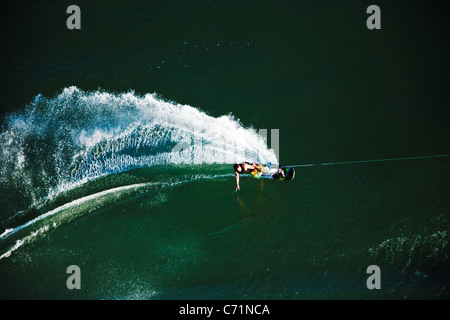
(91, 117)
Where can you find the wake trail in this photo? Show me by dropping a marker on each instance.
(60, 143)
(118, 193)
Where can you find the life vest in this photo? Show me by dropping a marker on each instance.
(256, 174)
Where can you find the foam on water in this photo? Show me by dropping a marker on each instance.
(59, 143)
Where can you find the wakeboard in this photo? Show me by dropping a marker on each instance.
(277, 172)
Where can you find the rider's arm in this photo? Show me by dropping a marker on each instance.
(237, 180)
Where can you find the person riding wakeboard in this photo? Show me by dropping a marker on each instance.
(255, 169)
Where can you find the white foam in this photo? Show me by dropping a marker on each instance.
(59, 143)
(5, 233)
(74, 203)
